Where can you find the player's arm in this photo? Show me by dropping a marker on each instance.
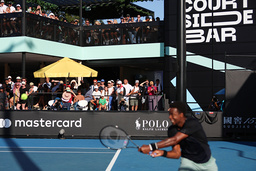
(175, 153)
(164, 143)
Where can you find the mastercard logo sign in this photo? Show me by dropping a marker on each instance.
(5, 123)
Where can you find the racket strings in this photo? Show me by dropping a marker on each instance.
(114, 138)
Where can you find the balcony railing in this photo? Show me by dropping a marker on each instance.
(96, 35)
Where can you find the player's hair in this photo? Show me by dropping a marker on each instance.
(181, 107)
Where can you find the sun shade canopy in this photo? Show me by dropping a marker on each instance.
(65, 68)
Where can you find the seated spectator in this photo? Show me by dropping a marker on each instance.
(102, 103)
(67, 97)
(95, 97)
(57, 104)
(78, 97)
(122, 105)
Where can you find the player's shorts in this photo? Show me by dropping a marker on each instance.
(186, 164)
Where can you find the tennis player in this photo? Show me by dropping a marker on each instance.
(188, 141)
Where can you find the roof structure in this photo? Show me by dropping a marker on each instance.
(66, 3)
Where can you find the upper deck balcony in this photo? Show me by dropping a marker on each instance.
(96, 35)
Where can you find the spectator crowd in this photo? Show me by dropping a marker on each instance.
(100, 95)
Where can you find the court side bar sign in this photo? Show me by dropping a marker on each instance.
(88, 124)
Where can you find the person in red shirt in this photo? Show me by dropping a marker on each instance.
(152, 100)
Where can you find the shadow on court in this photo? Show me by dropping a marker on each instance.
(240, 153)
(24, 161)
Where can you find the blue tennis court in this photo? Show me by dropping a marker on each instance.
(89, 154)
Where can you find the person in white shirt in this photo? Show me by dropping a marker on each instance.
(128, 89)
(2, 7)
(95, 96)
(18, 8)
(134, 102)
(111, 94)
(12, 9)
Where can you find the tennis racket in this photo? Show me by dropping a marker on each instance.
(115, 138)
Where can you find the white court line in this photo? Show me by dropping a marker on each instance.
(73, 152)
(111, 164)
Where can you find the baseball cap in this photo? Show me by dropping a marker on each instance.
(137, 81)
(9, 77)
(102, 80)
(98, 81)
(112, 81)
(119, 82)
(2, 0)
(109, 81)
(18, 78)
(23, 82)
(68, 89)
(18, 5)
(95, 87)
(31, 83)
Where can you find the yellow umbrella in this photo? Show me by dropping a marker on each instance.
(65, 68)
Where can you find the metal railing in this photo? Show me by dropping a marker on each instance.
(54, 30)
(145, 102)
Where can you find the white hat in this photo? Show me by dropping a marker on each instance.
(23, 82)
(9, 77)
(119, 82)
(2, 0)
(96, 87)
(18, 78)
(31, 83)
(18, 5)
(51, 14)
(137, 81)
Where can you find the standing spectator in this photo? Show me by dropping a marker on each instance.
(31, 90)
(158, 86)
(88, 38)
(120, 91)
(135, 93)
(12, 9)
(94, 85)
(152, 90)
(128, 89)
(47, 83)
(2, 7)
(110, 94)
(16, 95)
(18, 8)
(10, 82)
(2, 98)
(144, 99)
(22, 102)
(102, 85)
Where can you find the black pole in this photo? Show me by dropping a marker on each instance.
(81, 22)
(169, 62)
(24, 54)
(23, 19)
(181, 51)
(23, 33)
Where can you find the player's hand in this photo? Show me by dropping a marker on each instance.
(144, 149)
(157, 153)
